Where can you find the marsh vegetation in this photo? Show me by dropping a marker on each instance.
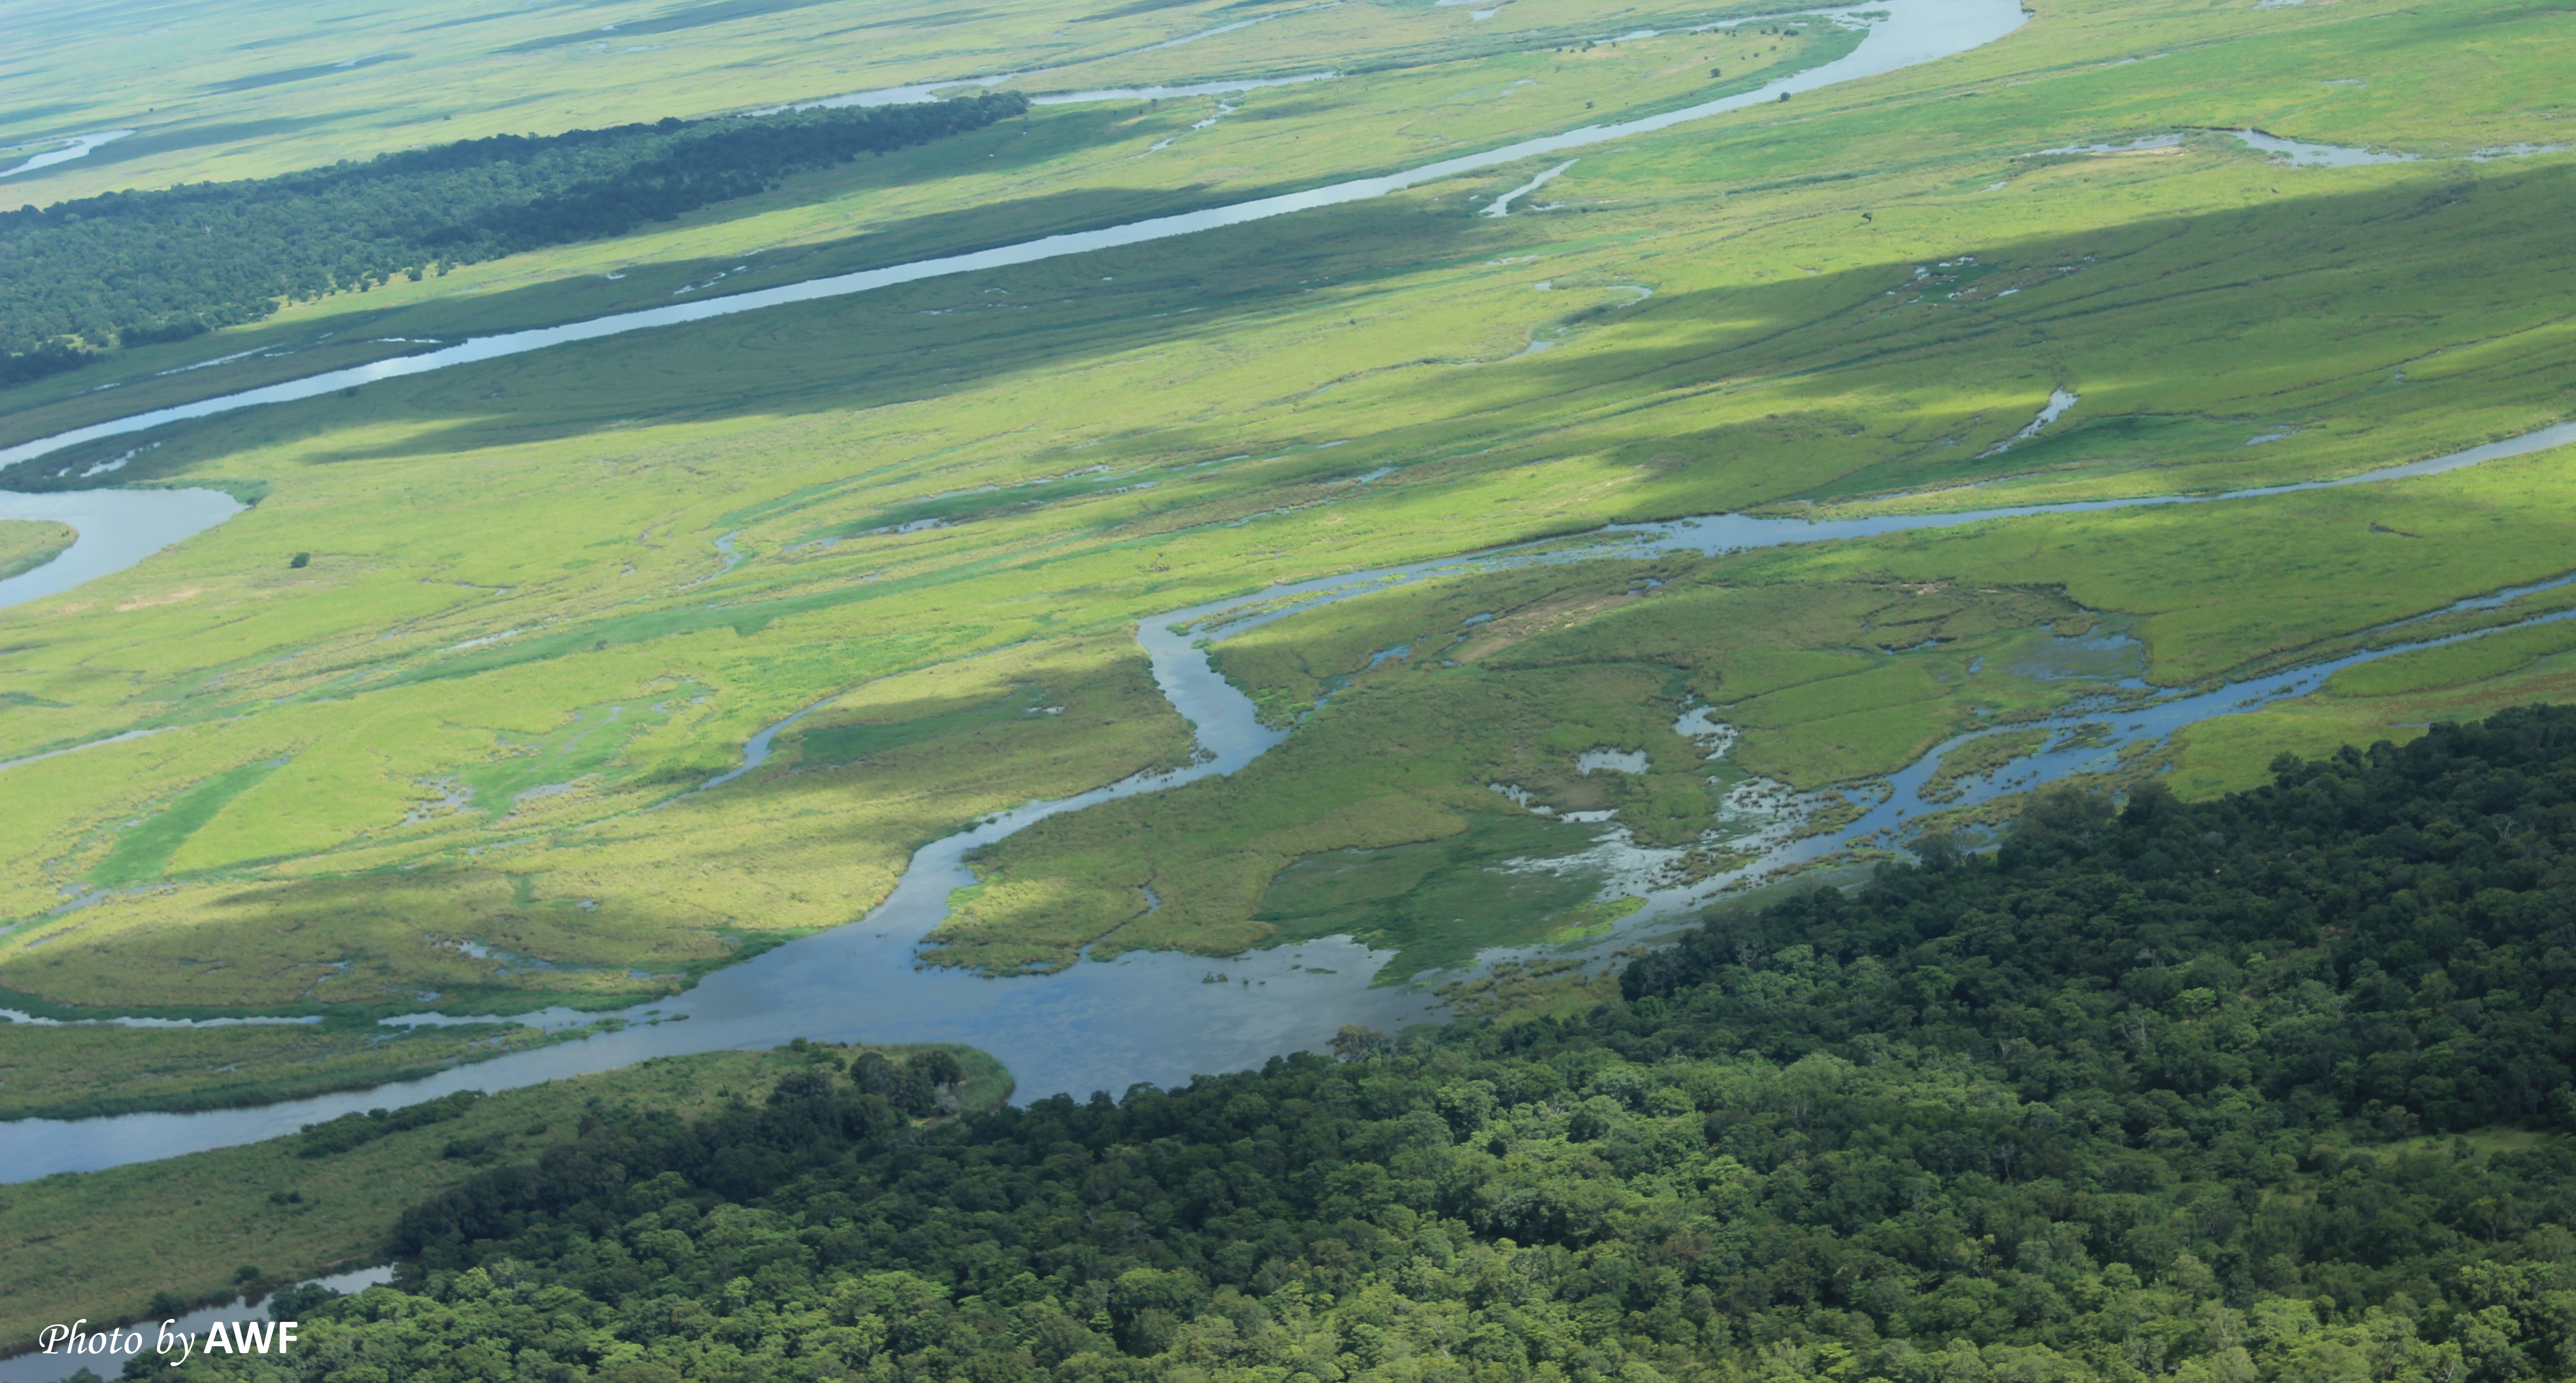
(476, 717)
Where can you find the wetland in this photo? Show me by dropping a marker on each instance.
(579, 682)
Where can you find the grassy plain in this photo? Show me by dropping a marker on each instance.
(25, 546)
(29, 544)
(104, 1244)
(516, 634)
(82, 1071)
(1071, 167)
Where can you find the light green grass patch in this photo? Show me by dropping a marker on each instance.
(26, 545)
(1438, 903)
(2473, 660)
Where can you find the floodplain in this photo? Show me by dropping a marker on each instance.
(457, 716)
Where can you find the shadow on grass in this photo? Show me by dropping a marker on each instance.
(2177, 330)
(2207, 284)
(127, 383)
(864, 350)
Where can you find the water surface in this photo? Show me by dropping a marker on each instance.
(115, 528)
(78, 148)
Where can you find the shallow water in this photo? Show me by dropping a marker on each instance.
(116, 528)
(2524, 150)
(1168, 93)
(2303, 154)
(1502, 205)
(1916, 32)
(2153, 141)
(2059, 400)
(2114, 729)
(79, 148)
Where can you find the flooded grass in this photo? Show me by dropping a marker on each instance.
(1438, 903)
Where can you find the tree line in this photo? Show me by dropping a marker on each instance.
(129, 268)
(2271, 1087)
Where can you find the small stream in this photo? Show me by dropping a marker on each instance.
(1154, 1016)
(78, 148)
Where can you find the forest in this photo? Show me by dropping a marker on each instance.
(129, 268)
(2274, 1086)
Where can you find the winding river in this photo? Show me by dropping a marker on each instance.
(1147, 1017)
(1163, 1017)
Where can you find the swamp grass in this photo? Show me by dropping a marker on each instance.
(83, 1071)
(26, 545)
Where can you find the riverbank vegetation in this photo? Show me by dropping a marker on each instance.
(278, 97)
(2273, 1087)
(85, 1070)
(516, 629)
(1076, 167)
(26, 546)
(108, 1245)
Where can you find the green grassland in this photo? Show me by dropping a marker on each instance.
(1074, 167)
(276, 95)
(516, 635)
(25, 546)
(77, 1071)
(104, 1244)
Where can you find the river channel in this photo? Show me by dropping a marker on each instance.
(1911, 32)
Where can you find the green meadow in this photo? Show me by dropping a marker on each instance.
(26, 546)
(477, 719)
(79, 1071)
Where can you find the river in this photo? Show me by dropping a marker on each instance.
(1914, 32)
(79, 147)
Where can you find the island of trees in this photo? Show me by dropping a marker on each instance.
(127, 268)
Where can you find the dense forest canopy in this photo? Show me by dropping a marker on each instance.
(132, 267)
(2270, 1087)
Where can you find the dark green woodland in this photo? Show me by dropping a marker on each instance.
(130, 268)
(2275, 1086)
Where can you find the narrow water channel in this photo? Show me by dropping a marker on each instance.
(1911, 33)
